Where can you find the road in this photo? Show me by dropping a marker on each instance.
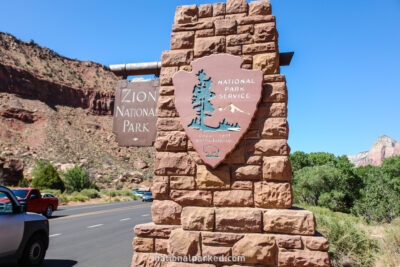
(95, 235)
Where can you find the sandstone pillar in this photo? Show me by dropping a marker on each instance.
(242, 207)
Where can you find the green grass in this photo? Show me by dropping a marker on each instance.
(391, 244)
(88, 194)
(79, 198)
(119, 193)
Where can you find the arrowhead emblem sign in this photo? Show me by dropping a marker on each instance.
(216, 103)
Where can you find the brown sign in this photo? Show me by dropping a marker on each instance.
(135, 112)
(216, 103)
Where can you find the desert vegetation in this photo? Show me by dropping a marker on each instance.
(357, 209)
(72, 185)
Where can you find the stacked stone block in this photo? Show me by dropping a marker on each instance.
(244, 206)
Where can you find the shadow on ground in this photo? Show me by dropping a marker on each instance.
(59, 263)
(46, 263)
(56, 216)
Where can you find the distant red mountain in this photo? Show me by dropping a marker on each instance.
(384, 147)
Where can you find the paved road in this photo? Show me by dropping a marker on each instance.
(95, 235)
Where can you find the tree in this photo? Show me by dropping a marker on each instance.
(23, 183)
(201, 100)
(312, 182)
(76, 179)
(391, 169)
(38, 166)
(326, 180)
(46, 176)
(379, 199)
(326, 186)
(299, 160)
(320, 158)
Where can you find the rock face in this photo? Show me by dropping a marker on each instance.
(11, 171)
(59, 109)
(243, 206)
(32, 71)
(24, 84)
(384, 147)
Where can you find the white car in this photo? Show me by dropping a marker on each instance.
(23, 236)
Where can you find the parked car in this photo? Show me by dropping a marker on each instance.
(34, 201)
(138, 193)
(47, 195)
(23, 236)
(147, 196)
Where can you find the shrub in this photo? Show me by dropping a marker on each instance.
(46, 176)
(76, 179)
(106, 180)
(379, 199)
(63, 199)
(23, 183)
(134, 197)
(326, 186)
(126, 193)
(94, 186)
(391, 244)
(90, 193)
(349, 244)
(109, 193)
(79, 198)
(299, 160)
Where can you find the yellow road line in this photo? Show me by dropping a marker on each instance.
(101, 212)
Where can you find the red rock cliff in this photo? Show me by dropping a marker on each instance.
(34, 72)
(24, 84)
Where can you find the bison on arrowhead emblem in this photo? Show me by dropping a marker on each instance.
(216, 103)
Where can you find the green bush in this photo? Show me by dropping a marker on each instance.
(94, 186)
(349, 244)
(379, 200)
(134, 197)
(90, 193)
(326, 186)
(119, 193)
(107, 180)
(125, 193)
(63, 199)
(46, 176)
(299, 160)
(76, 179)
(23, 183)
(79, 198)
(108, 193)
(326, 180)
(391, 244)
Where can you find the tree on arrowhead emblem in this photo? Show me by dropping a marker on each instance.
(201, 102)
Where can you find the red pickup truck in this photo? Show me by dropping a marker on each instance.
(35, 202)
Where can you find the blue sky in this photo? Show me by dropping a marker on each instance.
(343, 81)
